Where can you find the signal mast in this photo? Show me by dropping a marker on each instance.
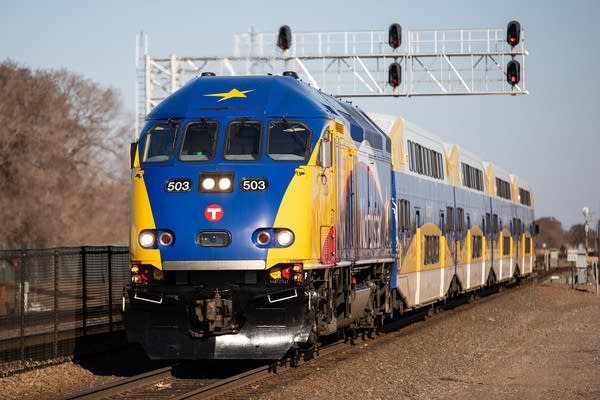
(392, 63)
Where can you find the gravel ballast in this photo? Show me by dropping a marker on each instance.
(539, 341)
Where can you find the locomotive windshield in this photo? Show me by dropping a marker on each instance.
(160, 143)
(243, 141)
(285, 141)
(288, 141)
(199, 141)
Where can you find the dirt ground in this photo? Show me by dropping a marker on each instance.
(539, 341)
(534, 342)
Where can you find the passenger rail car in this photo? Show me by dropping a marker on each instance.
(266, 213)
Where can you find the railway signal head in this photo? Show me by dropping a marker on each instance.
(513, 33)
(395, 36)
(513, 72)
(395, 75)
(284, 38)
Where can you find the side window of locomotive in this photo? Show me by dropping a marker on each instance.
(243, 141)
(199, 141)
(159, 143)
(288, 141)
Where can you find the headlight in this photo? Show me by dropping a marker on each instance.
(224, 183)
(216, 182)
(285, 237)
(147, 239)
(273, 237)
(208, 184)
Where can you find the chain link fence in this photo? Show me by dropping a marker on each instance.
(52, 299)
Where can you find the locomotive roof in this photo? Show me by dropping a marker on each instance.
(243, 95)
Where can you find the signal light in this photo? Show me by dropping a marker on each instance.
(513, 72)
(145, 273)
(284, 39)
(395, 75)
(263, 238)
(286, 272)
(395, 36)
(513, 33)
(166, 238)
(294, 272)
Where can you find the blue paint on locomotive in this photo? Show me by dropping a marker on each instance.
(227, 99)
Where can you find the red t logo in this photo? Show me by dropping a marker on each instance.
(213, 212)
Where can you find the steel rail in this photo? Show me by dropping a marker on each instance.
(245, 378)
(121, 385)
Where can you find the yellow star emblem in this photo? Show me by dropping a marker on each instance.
(229, 95)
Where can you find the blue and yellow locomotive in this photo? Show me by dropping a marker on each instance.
(266, 213)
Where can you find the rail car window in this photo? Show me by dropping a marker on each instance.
(525, 197)
(506, 245)
(404, 215)
(425, 161)
(159, 143)
(450, 218)
(460, 219)
(503, 189)
(432, 249)
(527, 245)
(517, 227)
(472, 177)
(199, 141)
(476, 246)
(243, 141)
(288, 141)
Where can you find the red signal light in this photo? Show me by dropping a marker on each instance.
(395, 36)
(145, 274)
(286, 272)
(394, 75)
(513, 33)
(284, 38)
(263, 238)
(513, 72)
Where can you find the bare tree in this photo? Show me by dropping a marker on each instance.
(551, 233)
(63, 152)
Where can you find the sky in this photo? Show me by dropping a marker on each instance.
(550, 138)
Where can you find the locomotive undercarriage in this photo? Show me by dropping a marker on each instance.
(263, 319)
(352, 299)
(200, 319)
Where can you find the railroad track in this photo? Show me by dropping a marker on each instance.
(184, 381)
(157, 384)
(180, 382)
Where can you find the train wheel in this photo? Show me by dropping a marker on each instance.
(491, 280)
(454, 289)
(517, 276)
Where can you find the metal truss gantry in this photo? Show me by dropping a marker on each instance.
(349, 64)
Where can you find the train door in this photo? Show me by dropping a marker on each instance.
(491, 247)
(344, 162)
(517, 235)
